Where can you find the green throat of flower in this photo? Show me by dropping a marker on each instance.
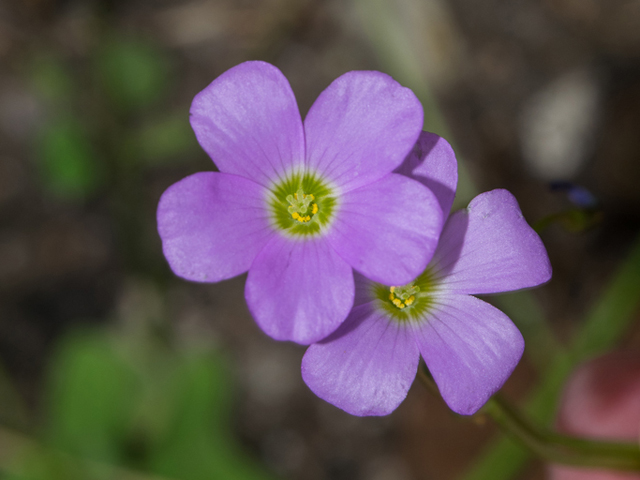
(407, 302)
(302, 204)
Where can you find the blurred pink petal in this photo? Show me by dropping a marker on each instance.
(601, 401)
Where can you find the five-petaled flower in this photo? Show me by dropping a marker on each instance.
(299, 205)
(367, 366)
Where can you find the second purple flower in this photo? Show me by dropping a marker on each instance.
(368, 364)
(299, 205)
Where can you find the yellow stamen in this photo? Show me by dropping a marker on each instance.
(300, 206)
(402, 297)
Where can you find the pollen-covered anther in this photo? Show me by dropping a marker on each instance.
(398, 303)
(300, 204)
(403, 297)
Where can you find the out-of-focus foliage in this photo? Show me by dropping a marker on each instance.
(575, 220)
(133, 73)
(88, 135)
(125, 411)
(164, 139)
(197, 443)
(68, 161)
(92, 400)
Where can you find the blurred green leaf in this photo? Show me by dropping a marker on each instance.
(69, 166)
(40, 465)
(91, 399)
(198, 444)
(575, 220)
(141, 413)
(133, 73)
(166, 139)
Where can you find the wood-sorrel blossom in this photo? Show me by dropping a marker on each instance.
(298, 204)
(368, 364)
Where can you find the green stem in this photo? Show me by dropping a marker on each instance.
(562, 449)
(552, 446)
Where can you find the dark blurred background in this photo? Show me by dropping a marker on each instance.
(117, 369)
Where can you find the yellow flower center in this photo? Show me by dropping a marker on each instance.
(301, 206)
(404, 296)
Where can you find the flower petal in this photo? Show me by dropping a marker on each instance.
(470, 347)
(490, 248)
(366, 367)
(248, 121)
(387, 230)
(212, 225)
(361, 128)
(433, 163)
(364, 289)
(299, 289)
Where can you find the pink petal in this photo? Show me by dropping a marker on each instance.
(490, 248)
(366, 367)
(557, 472)
(387, 230)
(247, 120)
(433, 163)
(601, 401)
(212, 225)
(299, 289)
(470, 347)
(361, 128)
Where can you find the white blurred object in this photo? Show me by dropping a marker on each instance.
(558, 125)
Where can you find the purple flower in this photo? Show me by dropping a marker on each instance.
(298, 204)
(368, 364)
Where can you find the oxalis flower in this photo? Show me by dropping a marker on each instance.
(299, 205)
(367, 366)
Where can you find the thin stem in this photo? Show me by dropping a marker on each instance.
(552, 446)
